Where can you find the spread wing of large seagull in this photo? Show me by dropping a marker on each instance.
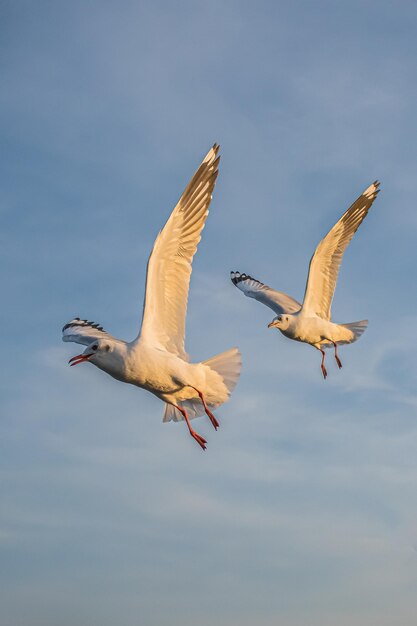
(169, 265)
(325, 262)
(156, 360)
(311, 321)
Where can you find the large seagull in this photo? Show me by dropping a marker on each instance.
(156, 360)
(310, 322)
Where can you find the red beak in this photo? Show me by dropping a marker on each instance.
(80, 358)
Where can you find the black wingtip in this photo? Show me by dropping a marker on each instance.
(234, 277)
(237, 277)
(79, 322)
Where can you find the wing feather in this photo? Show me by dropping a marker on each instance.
(83, 331)
(276, 300)
(169, 265)
(325, 262)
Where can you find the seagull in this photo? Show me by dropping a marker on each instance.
(310, 322)
(156, 360)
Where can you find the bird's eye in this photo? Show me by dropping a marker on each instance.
(94, 348)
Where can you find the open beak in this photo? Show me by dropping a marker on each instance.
(272, 324)
(80, 358)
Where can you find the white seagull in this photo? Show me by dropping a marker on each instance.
(156, 360)
(310, 322)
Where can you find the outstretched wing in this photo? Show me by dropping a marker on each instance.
(169, 266)
(325, 262)
(276, 300)
(83, 331)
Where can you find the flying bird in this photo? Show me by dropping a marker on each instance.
(156, 360)
(310, 322)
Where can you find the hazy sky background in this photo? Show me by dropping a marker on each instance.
(303, 510)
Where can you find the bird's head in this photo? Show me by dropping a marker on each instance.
(281, 322)
(96, 353)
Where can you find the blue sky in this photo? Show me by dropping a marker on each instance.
(303, 510)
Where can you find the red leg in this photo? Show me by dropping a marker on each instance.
(213, 420)
(323, 369)
(201, 442)
(336, 356)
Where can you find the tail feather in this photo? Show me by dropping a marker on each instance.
(227, 366)
(194, 408)
(357, 328)
(171, 414)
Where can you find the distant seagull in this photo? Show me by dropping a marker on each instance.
(310, 322)
(156, 360)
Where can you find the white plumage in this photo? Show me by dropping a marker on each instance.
(310, 322)
(156, 360)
